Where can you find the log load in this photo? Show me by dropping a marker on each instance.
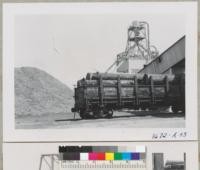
(99, 94)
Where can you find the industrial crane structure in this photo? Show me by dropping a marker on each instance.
(138, 51)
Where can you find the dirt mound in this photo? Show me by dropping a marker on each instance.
(38, 93)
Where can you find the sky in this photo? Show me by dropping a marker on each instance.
(70, 45)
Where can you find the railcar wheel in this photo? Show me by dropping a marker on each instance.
(136, 108)
(109, 114)
(96, 113)
(174, 109)
(153, 108)
(182, 111)
(82, 115)
(143, 108)
(102, 113)
(90, 115)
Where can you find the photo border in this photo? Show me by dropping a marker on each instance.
(76, 134)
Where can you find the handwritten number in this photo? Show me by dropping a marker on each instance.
(164, 135)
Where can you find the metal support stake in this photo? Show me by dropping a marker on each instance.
(152, 90)
(166, 86)
(136, 90)
(119, 92)
(101, 91)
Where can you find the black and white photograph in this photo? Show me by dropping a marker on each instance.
(77, 66)
(99, 71)
(161, 162)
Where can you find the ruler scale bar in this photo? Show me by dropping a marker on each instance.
(67, 165)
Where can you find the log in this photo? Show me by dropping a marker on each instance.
(105, 83)
(113, 76)
(126, 76)
(161, 77)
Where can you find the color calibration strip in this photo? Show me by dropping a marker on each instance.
(109, 153)
(102, 157)
(109, 156)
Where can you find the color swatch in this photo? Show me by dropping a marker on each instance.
(107, 153)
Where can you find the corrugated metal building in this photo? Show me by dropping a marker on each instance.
(171, 61)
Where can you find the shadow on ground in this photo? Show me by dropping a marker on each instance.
(135, 114)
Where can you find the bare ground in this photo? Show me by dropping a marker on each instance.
(134, 119)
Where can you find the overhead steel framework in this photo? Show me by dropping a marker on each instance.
(49, 160)
(138, 45)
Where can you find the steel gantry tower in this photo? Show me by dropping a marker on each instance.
(138, 51)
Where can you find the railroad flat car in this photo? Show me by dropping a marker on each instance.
(99, 94)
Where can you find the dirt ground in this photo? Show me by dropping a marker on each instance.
(134, 119)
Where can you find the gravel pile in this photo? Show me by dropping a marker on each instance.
(38, 93)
